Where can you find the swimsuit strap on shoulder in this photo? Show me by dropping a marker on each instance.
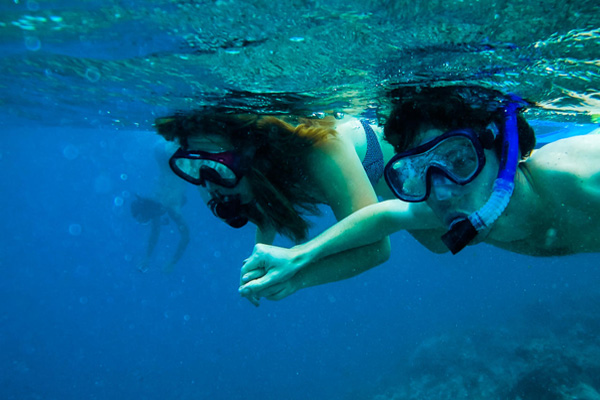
(373, 162)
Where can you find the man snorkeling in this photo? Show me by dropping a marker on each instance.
(465, 172)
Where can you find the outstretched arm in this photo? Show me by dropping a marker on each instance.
(339, 176)
(151, 244)
(184, 231)
(338, 180)
(353, 245)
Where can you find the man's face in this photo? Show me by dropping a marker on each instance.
(451, 201)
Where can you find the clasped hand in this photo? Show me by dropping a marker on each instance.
(268, 273)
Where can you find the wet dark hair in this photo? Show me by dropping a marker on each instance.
(276, 152)
(447, 108)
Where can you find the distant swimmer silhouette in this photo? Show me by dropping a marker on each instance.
(162, 208)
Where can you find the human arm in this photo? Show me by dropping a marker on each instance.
(339, 175)
(336, 178)
(151, 244)
(265, 234)
(340, 252)
(184, 239)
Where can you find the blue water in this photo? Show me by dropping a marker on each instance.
(80, 321)
(79, 93)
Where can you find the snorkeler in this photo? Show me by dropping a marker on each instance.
(165, 206)
(469, 163)
(266, 171)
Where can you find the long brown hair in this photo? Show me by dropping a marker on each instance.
(277, 153)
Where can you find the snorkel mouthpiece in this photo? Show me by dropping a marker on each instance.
(229, 211)
(463, 231)
(459, 235)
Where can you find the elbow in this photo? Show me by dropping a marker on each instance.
(383, 250)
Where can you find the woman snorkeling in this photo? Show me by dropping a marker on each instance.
(264, 170)
(465, 153)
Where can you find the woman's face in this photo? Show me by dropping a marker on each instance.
(450, 201)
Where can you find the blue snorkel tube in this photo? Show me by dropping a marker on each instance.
(463, 231)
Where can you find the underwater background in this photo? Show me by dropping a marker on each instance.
(80, 86)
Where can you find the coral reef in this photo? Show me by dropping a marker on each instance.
(552, 355)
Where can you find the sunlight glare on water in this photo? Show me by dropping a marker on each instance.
(121, 64)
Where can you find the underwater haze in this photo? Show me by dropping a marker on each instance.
(80, 86)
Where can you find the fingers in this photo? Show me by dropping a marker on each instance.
(254, 300)
(251, 263)
(258, 258)
(261, 282)
(251, 298)
(275, 293)
(255, 274)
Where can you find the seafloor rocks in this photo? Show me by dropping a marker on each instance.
(540, 356)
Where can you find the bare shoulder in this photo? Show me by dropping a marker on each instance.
(348, 125)
(338, 177)
(569, 153)
(567, 166)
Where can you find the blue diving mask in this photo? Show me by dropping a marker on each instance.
(458, 155)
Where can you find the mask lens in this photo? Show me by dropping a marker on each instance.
(188, 167)
(408, 178)
(216, 173)
(202, 167)
(457, 157)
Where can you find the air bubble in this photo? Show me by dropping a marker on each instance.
(33, 5)
(92, 74)
(118, 201)
(33, 43)
(75, 229)
(70, 152)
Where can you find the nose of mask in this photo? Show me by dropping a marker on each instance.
(443, 188)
